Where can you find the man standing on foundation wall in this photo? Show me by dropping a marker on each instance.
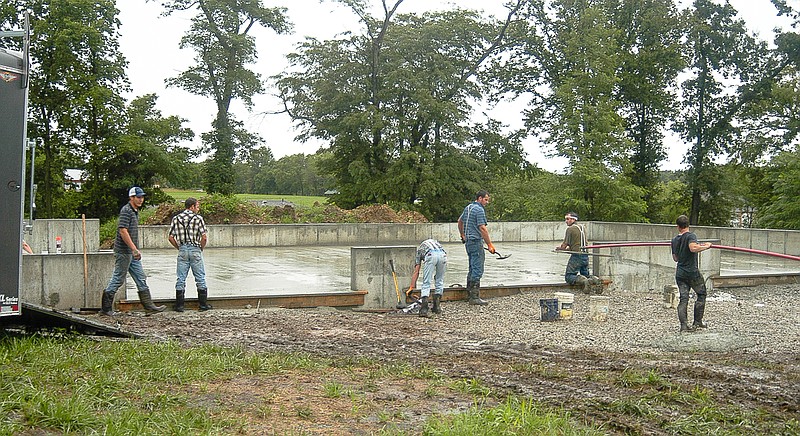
(472, 227)
(127, 257)
(687, 274)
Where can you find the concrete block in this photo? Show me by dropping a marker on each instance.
(508, 232)
(327, 234)
(370, 271)
(792, 243)
(741, 238)
(776, 241)
(550, 231)
(395, 233)
(57, 280)
(759, 239)
(154, 237)
(220, 235)
(43, 235)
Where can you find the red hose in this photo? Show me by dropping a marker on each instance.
(721, 247)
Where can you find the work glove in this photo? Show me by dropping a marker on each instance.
(491, 248)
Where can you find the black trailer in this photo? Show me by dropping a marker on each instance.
(13, 116)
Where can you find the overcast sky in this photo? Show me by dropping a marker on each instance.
(150, 44)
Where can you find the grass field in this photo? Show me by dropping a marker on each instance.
(299, 200)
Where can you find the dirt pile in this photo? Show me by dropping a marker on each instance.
(229, 211)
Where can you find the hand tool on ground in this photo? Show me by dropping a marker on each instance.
(409, 294)
(581, 252)
(400, 303)
(499, 256)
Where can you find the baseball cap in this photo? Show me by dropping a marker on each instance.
(136, 192)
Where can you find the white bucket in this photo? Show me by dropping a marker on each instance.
(565, 300)
(598, 307)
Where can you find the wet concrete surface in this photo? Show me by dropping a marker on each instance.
(325, 269)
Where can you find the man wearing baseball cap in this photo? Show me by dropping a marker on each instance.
(577, 272)
(127, 257)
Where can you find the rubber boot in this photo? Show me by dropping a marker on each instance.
(437, 298)
(202, 298)
(583, 282)
(470, 285)
(423, 308)
(682, 317)
(180, 299)
(107, 304)
(699, 309)
(147, 303)
(475, 295)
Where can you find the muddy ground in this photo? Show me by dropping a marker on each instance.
(631, 374)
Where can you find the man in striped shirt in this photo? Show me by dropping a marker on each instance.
(188, 234)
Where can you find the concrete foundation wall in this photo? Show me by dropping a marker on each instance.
(370, 271)
(57, 280)
(45, 231)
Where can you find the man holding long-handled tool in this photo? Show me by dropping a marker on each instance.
(432, 253)
(472, 227)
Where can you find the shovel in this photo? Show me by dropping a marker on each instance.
(499, 256)
(400, 304)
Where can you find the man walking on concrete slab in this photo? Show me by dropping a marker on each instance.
(188, 234)
(472, 227)
(432, 253)
(127, 257)
(687, 274)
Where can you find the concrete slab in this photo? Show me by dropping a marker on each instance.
(247, 271)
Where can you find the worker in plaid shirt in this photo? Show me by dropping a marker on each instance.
(188, 234)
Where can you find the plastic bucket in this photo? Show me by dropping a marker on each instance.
(598, 307)
(549, 308)
(565, 300)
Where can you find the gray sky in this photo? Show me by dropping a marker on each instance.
(150, 44)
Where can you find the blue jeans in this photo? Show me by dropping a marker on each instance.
(124, 263)
(190, 256)
(476, 259)
(435, 265)
(577, 264)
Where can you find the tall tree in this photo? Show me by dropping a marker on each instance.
(221, 36)
(395, 103)
(649, 39)
(570, 63)
(729, 70)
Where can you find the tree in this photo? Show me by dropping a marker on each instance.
(649, 40)
(75, 98)
(146, 149)
(395, 102)
(570, 61)
(719, 47)
(220, 35)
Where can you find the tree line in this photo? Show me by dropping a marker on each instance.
(399, 103)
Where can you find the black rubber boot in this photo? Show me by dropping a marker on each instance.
(107, 304)
(202, 298)
(583, 283)
(475, 295)
(423, 308)
(436, 300)
(699, 309)
(470, 285)
(147, 303)
(687, 328)
(180, 299)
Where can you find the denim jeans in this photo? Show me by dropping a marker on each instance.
(435, 265)
(124, 263)
(685, 284)
(190, 256)
(476, 259)
(577, 264)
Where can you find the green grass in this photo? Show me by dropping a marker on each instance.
(69, 384)
(305, 201)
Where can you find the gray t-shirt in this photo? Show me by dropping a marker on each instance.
(128, 219)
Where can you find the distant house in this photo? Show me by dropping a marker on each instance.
(275, 203)
(330, 192)
(74, 179)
